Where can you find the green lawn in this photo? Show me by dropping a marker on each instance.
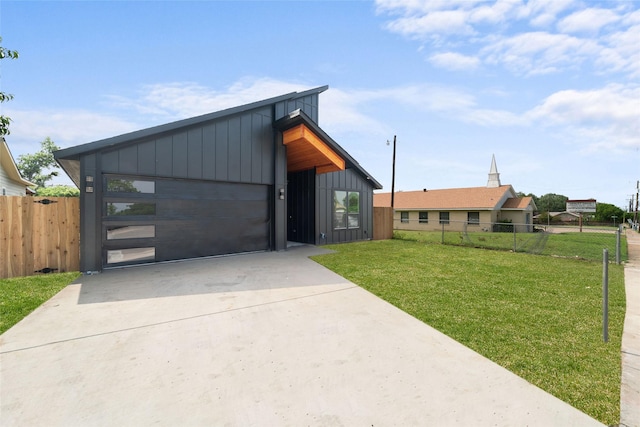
(538, 316)
(587, 245)
(19, 296)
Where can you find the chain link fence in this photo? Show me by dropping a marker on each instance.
(554, 240)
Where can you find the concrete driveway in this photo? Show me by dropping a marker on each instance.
(267, 339)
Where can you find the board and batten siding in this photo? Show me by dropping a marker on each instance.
(231, 149)
(347, 180)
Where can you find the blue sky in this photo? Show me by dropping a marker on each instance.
(551, 87)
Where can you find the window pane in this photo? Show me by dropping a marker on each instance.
(125, 185)
(354, 220)
(404, 216)
(340, 209)
(423, 217)
(473, 217)
(130, 232)
(122, 208)
(130, 255)
(444, 217)
(354, 202)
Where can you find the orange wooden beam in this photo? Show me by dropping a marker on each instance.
(306, 151)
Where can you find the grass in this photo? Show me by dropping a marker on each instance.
(538, 316)
(587, 245)
(19, 296)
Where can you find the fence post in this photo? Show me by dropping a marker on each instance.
(442, 233)
(515, 246)
(618, 245)
(605, 295)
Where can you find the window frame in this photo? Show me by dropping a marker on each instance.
(444, 221)
(348, 214)
(424, 220)
(474, 221)
(404, 217)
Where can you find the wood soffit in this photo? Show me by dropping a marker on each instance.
(305, 150)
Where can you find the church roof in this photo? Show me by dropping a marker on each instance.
(472, 198)
(518, 203)
(493, 196)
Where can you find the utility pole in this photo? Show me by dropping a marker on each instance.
(635, 214)
(393, 172)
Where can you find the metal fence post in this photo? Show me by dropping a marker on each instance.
(442, 233)
(618, 245)
(515, 246)
(605, 295)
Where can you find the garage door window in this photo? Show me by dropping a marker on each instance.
(117, 232)
(130, 208)
(131, 255)
(130, 185)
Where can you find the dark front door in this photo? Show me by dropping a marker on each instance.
(301, 206)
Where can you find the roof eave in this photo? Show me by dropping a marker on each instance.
(11, 167)
(300, 117)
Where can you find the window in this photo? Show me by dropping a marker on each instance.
(473, 218)
(118, 232)
(423, 217)
(346, 209)
(129, 185)
(131, 255)
(444, 217)
(130, 208)
(404, 217)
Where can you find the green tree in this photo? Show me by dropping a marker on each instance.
(552, 202)
(59, 191)
(4, 97)
(605, 213)
(36, 167)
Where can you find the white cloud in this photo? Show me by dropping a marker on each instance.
(451, 22)
(454, 61)
(543, 13)
(65, 127)
(508, 33)
(539, 52)
(587, 20)
(178, 100)
(622, 53)
(601, 118)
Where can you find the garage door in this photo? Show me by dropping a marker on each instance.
(148, 220)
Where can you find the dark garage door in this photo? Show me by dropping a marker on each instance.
(146, 219)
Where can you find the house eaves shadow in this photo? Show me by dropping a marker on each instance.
(229, 274)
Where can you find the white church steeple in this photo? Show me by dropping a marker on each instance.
(494, 176)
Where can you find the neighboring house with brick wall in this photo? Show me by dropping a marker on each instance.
(461, 208)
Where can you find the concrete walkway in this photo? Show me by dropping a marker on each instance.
(269, 339)
(630, 387)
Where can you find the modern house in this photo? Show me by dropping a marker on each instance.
(249, 178)
(11, 182)
(458, 209)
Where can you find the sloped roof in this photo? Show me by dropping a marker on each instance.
(518, 203)
(76, 151)
(68, 157)
(480, 198)
(300, 117)
(9, 165)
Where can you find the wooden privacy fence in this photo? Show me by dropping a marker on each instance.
(39, 235)
(382, 223)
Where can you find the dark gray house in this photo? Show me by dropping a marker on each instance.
(250, 178)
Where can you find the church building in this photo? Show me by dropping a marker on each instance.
(484, 208)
